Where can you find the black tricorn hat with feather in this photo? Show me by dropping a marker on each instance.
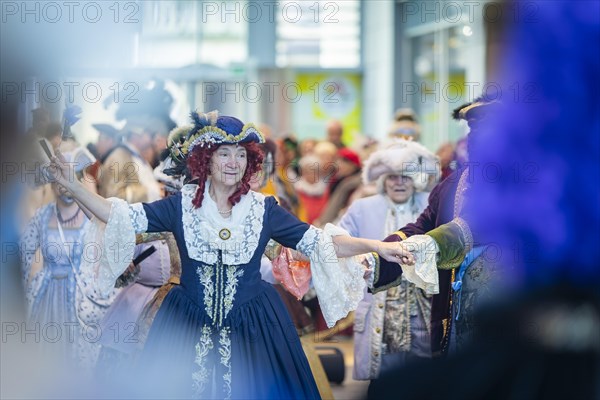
(475, 110)
(207, 130)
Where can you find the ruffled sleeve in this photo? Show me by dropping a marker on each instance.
(423, 273)
(108, 248)
(444, 247)
(339, 282)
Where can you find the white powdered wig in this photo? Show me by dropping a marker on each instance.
(402, 157)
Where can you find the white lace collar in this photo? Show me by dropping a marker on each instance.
(206, 232)
(210, 211)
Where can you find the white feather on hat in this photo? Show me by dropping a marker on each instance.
(402, 157)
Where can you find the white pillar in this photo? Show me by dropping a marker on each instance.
(378, 64)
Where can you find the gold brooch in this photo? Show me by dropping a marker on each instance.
(224, 234)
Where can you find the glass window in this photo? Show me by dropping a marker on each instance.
(426, 78)
(179, 33)
(323, 34)
(442, 60)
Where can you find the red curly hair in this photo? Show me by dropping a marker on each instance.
(198, 164)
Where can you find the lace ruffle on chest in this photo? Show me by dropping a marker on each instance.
(205, 232)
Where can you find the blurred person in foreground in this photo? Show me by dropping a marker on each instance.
(538, 338)
(58, 291)
(39, 192)
(391, 327)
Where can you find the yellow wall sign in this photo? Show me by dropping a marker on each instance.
(327, 96)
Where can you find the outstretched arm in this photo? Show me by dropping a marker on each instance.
(348, 246)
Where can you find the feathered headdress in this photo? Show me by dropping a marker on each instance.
(208, 129)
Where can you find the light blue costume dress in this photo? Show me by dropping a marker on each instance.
(65, 319)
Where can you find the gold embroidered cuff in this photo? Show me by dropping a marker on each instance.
(401, 234)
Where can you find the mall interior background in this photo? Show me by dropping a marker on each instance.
(293, 65)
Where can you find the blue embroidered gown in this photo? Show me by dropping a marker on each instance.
(224, 332)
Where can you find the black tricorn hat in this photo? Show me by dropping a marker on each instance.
(475, 110)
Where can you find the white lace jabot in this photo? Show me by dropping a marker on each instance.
(201, 227)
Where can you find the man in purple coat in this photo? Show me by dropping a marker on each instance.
(444, 220)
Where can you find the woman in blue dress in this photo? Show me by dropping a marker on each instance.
(224, 332)
(60, 303)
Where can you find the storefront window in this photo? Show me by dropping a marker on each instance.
(180, 33)
(447, 64)
(323, 34)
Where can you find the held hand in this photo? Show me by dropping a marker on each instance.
(395, 252)
(61, 171)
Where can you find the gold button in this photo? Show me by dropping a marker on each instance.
(378, 330)
(224, 234)
(376, 354)
(380, 305)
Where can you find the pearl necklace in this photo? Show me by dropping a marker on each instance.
(223, 212)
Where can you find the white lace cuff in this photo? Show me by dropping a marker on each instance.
(339, 283)
(423, 273)
(108, 248)
(138, 217)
